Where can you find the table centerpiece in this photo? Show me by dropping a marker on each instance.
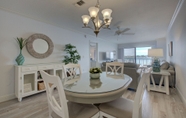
(95, 73)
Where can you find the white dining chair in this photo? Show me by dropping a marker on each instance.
(114, 67)
(62, 108)
(124, 108)
(71, 69)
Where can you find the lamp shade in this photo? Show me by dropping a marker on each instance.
(106, 13)
(109, 21)
(85, 19)
(93, 11)
(98, 23)
(155, 52)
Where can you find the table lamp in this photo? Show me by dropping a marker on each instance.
(155, 53)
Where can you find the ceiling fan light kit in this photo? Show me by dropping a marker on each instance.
(94, 16)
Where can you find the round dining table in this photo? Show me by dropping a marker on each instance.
(83, 89)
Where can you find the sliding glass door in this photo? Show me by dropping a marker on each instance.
(138, 55)
(142, 56)
(130, 55)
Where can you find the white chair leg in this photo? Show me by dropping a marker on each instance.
(50, 112)
(148, 84)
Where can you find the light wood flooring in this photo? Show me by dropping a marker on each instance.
(155, 105)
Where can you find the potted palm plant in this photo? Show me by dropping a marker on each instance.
(21, 42)
(72, 54)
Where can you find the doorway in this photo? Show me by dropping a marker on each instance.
(93, 54)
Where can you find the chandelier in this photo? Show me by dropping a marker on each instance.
(94, 16)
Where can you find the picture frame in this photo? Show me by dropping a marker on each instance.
(170, 48)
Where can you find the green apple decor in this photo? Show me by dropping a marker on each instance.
(21, 42)
(73, 55)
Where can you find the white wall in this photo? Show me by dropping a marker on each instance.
(177, 34)
(13, 26)
(138, 44)
(161, 43)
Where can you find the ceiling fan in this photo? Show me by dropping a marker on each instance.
(122, 32)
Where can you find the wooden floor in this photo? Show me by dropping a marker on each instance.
(155, 105)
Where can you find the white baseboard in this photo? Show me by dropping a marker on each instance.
(7, 97)
(181, 96)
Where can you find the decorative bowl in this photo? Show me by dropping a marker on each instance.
(94, 75)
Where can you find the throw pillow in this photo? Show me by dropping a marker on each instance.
(171, 68)
(164, 65)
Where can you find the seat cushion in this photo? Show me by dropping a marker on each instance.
(130, 65)
(77, 110)
(120, 108)
(81, 110)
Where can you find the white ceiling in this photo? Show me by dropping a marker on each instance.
(148, 19)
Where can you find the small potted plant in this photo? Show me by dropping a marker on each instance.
(95, 72)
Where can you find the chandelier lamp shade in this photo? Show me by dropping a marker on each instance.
(94, 17)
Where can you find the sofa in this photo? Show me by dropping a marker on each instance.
(130, 69)
(164, 65)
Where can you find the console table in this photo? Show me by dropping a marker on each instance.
(27, 78)
(164, 77)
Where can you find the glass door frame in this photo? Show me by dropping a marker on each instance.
(96, 52)
(134, 53)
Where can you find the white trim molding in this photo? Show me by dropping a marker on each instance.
(7, 97)
(177, 10)
(181, 96)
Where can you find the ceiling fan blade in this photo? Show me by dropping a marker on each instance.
(117, 24)
(115, 34)
(127, 29)
(128, 33)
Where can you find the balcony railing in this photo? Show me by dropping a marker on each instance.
(139, 60)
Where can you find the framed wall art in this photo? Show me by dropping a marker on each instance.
(170, 48)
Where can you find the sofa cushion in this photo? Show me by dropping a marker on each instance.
(171, 69)
(164, 65)
(104, 63)
(130, 65)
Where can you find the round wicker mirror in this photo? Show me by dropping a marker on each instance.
(39, 46)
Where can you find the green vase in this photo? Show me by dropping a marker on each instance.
(20, 59)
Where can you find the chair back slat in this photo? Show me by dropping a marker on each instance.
(114, 68)
(71, 70)
(51, 83)
(137, 108)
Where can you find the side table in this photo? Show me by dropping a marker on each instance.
(164, 76)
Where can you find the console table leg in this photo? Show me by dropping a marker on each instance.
(19, 99)
(167, 84)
